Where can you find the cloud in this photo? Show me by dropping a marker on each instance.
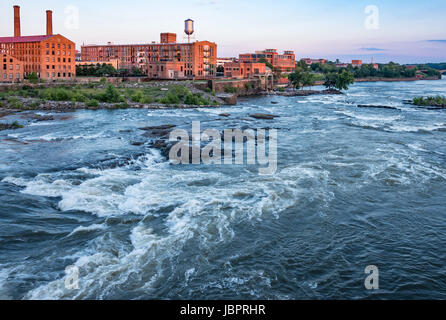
(206, 3)
(373, 49)
(437, 41)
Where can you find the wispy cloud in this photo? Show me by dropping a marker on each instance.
(206, 3)
(373, 49)
(437, 41)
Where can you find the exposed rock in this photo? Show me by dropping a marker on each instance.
(136, 143)
(10, 126)
(38, 117)
(224, 114)
(376, 106)
(263, 116)
(163, 127)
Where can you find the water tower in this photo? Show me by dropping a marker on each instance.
(189, 28)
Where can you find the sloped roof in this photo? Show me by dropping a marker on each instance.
(24, 39)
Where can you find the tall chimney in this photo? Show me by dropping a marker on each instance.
(49, 23)
(17, 21)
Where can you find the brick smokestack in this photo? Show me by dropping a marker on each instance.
(17, 21)
(49, 23)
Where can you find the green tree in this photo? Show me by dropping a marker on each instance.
(340, 81)
(308, 79)
(296, 78)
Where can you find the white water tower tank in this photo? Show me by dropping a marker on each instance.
(189, 27)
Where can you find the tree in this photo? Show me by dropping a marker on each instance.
(331, 79)
(136, 71)
(32, 77)
(308, 79)
(340, 81)
(296, 78)
(345, 79)
(302, 64)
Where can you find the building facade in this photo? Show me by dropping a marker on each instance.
(165, 60)
(244, 70)
(310, 61)
(283, 63)
(357, 63)
(51, 57)
(11, 69)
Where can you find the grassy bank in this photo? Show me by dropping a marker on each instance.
(91, 95)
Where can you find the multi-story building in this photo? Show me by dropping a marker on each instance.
(11, 69)
(357, 63)
(310, 61)
(51, 57)
(283, 63)
(165, 60)
(244, 70)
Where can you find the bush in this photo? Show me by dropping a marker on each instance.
(92, 103)
(137, 97)
(148, 100)
(111, 95)
(170, 98)
(32, 77)
(230, 89)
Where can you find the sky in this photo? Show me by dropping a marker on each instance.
(404, 31)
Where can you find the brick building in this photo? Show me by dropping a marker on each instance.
(284, 63)
(310, 61)
(11, 69)
(357, 63)
(51, 57)
(165, 60)
(244, 70)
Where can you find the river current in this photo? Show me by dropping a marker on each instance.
(354, 187)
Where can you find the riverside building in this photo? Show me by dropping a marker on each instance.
(50, 56)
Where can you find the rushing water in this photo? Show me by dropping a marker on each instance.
(354, 187)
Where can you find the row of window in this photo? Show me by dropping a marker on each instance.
(11, 76)
(53, 46)
(58, 59)
(59, 67)
(59, 75)
(11, 67)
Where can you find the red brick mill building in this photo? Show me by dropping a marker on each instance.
(50, 56)
(165, 60)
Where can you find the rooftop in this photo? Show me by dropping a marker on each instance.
(24, 39)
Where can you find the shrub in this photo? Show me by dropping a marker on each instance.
(92, 103)
(32, 77)
(148, 100)
(137, 97)
(230, 89)
(111, 95)
(170, 98)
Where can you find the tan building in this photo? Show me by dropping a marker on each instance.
(50, 56)
(11, 69)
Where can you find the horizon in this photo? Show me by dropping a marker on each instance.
(403, 32)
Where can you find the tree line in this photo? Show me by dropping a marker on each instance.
(106, 70)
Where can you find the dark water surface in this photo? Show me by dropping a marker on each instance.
(354, 187)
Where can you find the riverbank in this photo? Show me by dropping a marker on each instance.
(380, 79)
(301, 93)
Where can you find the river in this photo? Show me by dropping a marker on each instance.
(354, 187)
